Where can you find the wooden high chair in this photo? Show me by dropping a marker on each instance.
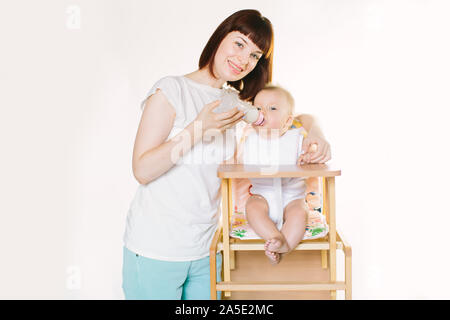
(328, 245)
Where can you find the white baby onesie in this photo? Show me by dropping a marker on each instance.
(284, 150)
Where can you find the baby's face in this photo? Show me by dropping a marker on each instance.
(275, 108)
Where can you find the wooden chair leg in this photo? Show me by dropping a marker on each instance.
(348, 266)
(226, 186)
(232, 259)
(212, 274)
(213, 264)
(326, 213)
(324, 254)
(331, 206)
(348, 277)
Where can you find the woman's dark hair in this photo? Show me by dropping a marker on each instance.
(259, 29)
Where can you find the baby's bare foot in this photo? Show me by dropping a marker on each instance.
(274, 257)
(276, 245)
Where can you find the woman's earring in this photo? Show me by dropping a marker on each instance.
(241, 86)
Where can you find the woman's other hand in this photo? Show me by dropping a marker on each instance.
(315, 149)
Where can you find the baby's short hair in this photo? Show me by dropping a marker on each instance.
(287, 94)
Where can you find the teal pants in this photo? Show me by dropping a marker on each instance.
(150, 279)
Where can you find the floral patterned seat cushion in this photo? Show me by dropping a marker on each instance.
(316, 226)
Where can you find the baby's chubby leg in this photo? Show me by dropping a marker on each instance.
(257, 212)
(293, 229)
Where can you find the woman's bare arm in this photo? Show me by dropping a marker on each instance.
(152, 154)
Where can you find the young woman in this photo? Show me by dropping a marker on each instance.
(175, 212)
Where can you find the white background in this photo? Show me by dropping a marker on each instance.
(73, 73)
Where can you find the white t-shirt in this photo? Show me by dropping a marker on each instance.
(284, 150)
(174, 217)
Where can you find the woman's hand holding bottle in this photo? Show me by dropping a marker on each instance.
(211, 120)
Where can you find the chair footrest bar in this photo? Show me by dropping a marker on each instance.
(320, 245)
(279, 286)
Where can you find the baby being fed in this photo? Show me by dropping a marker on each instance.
(276, 209)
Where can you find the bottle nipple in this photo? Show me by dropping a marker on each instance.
(260, 119)
(252, 115)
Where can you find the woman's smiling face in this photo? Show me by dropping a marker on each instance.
(236, 57)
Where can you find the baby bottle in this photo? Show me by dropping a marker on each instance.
(230, 99)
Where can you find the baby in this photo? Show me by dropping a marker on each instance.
(276, 209)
